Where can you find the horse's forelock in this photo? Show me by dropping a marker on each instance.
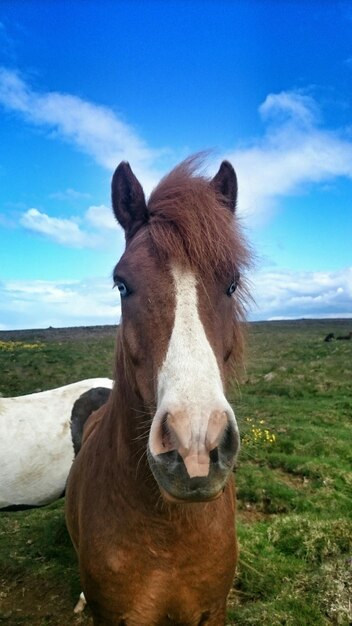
(190, 223)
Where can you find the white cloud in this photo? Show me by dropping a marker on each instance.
(298, 106)
(74, 232)
(289, 294)
(39, 304)
(94, 129)
(63, 231)
(101, 217)
(294, 153)
(278, 294)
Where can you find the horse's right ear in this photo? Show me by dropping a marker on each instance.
(225, 183)
(128, 200)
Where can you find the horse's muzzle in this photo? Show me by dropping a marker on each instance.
(174, 479)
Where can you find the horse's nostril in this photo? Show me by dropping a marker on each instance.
(166, 438)
(229, 442)
(214, 455)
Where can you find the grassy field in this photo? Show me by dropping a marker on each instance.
(294, 478)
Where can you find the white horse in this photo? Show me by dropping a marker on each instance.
(40, 433)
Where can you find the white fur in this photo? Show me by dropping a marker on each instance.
(189, 381)
(81, 604)
(36, 450)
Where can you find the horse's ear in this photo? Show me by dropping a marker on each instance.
(128, 200)
(225, 183)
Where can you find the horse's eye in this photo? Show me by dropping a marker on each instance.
(232, 288)
(122, 288)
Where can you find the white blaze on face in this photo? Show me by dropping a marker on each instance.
(190, 390)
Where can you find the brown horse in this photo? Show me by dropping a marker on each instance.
(150, 498)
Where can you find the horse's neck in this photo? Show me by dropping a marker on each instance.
(126, 429)
(129, 418)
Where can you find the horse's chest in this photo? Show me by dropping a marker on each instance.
(163, 599)
(181, 584)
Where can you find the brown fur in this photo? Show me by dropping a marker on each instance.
(143, 560)
(189, 220)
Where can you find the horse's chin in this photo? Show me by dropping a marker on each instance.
(170, 499)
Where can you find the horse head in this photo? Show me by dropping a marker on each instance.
(180, 334)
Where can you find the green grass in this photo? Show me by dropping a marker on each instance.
(294, 481)
(295, 485)
(36, 364)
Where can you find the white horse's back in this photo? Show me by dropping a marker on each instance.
(36, 448)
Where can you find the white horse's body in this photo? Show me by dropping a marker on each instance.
(36, 448)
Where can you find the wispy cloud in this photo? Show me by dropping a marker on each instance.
(290, 294)
(289, 104)
(101, 217)
(39, 304)
(73, 232)
(278, 294)
(70, 194)
(63, 231)
(294, 153)
(93, 129)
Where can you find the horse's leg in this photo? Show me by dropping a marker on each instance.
(80, 606)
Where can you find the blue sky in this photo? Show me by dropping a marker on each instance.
(83, 85)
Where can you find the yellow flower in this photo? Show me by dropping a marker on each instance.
(10, 346)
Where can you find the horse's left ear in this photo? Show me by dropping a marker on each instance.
(225, 183)
(128, 200)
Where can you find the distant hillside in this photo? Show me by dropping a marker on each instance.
(102, 331)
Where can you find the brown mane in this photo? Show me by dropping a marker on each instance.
(189, 221)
